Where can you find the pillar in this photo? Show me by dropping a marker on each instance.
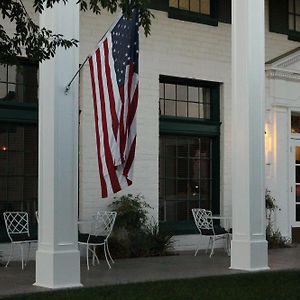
(57, 257)
(249, 246)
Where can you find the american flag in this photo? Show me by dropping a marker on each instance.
(114, 76)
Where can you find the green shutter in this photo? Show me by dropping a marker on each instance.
(278, 16)
(224, 11)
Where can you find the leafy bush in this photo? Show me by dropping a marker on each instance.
(135, 236)
(274, 238)
(131, 210)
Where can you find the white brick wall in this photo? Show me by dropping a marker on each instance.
(176, 48)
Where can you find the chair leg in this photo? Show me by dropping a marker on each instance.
(212, 247)
(198, 247)
(208, 246)
(94, 254)
(22, 256)
(87, 257)
(29, 245)
(106, 256)
(106, 244)
(10, 254)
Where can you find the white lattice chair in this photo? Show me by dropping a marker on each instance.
(100, 230)
(17, 228)
(204, 222)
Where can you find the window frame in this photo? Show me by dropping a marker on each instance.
(23, 114)
(293, 34)
(181, 126)
(191, 16)
(12, 111)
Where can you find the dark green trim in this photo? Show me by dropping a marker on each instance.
(162, 5)
(278, 16)
(20, 113)
(216, 175)
(188, 81)
(294, 35)
(190, 16)
(188, 126)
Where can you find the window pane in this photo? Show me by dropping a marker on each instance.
(161, 107)
(16, 138)
(170, 91)
(182, 168)
(30, 189)
(193, 110)
(182, 210)
(30, 94)
(195, 5)
(206, 95)
(12, 74)
(297, 213)
(193, 94)
(170, 189)
(15, 188)
(182, 109)
(182, 149)
(171, 211)
(297, 23)
(204, 111)
(3, 73)
(170, 108)
(182, 92)
(205, 7)
(161, 90)
(291, 6)
(182, 189)
(3, 161)
(173, 3)
(291, 22)
(14, 93)
(297, 2)
(184, 4)
(295, 123)
(16, 163)
(3, 189)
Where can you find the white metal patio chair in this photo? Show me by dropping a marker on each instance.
(204, 222)
(100, 229)
(17, 228)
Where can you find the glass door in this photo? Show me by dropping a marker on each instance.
(295, 189)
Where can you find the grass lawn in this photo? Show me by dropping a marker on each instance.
(264, 286)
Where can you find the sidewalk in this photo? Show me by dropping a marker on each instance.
(15, 281)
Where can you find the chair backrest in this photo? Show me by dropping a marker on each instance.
(16, 223)
(103, 223)
(203, 220)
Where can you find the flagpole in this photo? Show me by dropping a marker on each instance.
(71, 81)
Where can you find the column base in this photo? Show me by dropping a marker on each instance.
(58, 269)
(249, 255)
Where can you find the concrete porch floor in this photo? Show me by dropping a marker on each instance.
(15, 281)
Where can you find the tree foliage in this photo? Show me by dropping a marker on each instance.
(40, 44)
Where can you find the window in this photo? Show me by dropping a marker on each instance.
(198, 6)
(18, 140)
(180, 100)
(295, 122)
(18, 83)
(200, 11)
(189, 151)
(185, 176)
(294, 15)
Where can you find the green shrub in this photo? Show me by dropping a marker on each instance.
(134, 235)
(274, 238)
(131, 210)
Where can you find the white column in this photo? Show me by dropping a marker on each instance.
(249, 245)
(57, 257)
